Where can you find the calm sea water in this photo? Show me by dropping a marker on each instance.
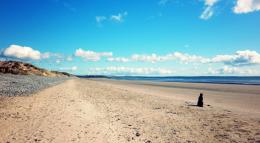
(249, 80)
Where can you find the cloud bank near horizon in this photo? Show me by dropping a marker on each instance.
(232, 63)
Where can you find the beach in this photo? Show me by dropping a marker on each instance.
(241, 99)
(103, 110)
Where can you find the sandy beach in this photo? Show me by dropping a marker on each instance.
(241, 99)
(101, 110)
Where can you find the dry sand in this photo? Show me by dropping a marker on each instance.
(100, 111)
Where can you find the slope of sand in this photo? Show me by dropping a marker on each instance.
(81, 110)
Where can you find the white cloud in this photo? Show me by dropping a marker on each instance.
(54, 57)
(153, 58)
(58, 61)
(147, 58)
(45, 55)
(229, 70)
(25, 53)
(91, 55)
(207, 13)
(69, 58)
(100, 19)
(114, 18)
(118, 59)
(210, 2)
(71, 69)
(119, 17)
(240, 58)
(163, 2)
(21, 52)
(74, 68)
(241, 6)
(131, 71)
(186, 58)
(246, 6)
(209, 9)
(226, 70)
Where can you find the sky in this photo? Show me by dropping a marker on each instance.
(134, 37)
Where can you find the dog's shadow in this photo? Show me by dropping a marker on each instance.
(193, 105)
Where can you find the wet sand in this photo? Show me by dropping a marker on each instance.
(242, 99)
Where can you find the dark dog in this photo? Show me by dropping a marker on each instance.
(200, 100)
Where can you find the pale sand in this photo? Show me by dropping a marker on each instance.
(240, 99)
(111, 111)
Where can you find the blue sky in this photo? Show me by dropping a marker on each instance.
(134, 37)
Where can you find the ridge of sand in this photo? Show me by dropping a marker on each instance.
(91, 111)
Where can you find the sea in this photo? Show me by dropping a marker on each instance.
(244, 80)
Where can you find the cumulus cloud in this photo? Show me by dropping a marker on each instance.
(209, 9)
(22, 52)
(119, 17)
(153, 58)
(91, 55)
(246, 6)
(240, 58)
(131, 71)
(241, 7)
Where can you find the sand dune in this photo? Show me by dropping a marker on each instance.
(82, 110)
(22, 68)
